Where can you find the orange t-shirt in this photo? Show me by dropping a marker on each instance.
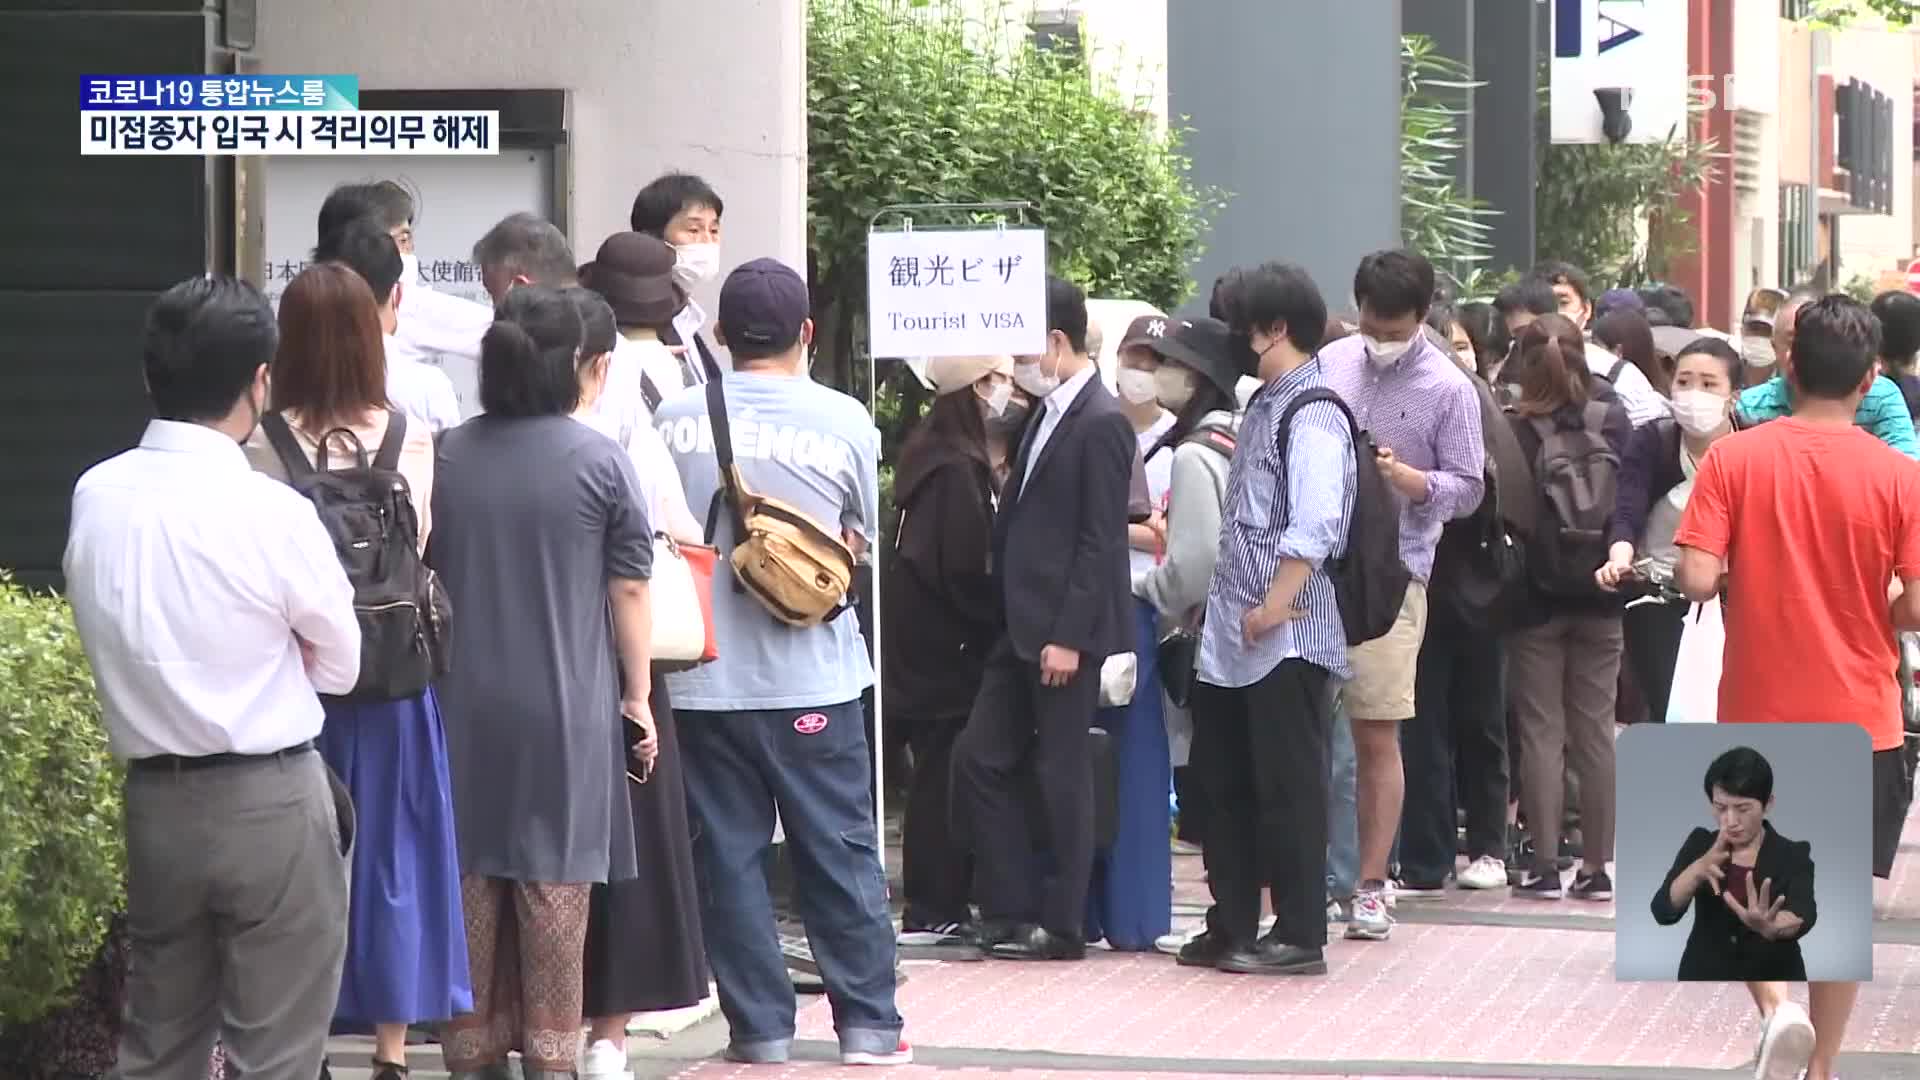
(1813, 523)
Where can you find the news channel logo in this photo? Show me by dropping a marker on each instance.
(235, 115)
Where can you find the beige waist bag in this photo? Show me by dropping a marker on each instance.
(799, 570)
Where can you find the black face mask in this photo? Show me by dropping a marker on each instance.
(1240, 351)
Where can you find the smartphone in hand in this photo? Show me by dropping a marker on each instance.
(637, 771)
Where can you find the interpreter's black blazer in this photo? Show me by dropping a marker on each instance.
(1720, 948)
(1060, 539)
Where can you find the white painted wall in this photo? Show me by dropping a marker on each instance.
(714, 87)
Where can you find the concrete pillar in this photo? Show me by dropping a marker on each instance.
(1295, 111)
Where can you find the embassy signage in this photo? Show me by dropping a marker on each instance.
(1634, 52)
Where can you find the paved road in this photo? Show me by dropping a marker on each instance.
(1474, 987)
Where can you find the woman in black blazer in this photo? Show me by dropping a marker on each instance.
(1752, 889)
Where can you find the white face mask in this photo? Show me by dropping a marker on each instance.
(996, 398)
(696, 264)
(1027, 373)
(1384, 353)
(409, 269)
(1136, 386)
(1758, 352)
(1173, 387)
(1699, 412)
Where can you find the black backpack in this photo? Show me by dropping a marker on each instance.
(1369, 580)
(367, 509)
(1577, 472)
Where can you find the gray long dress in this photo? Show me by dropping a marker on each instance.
(531, 517)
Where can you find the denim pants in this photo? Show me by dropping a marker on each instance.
(812, 766)
(1343, 813)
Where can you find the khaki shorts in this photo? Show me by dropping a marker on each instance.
(1385, 669)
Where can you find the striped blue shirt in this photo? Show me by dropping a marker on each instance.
(1265, 524)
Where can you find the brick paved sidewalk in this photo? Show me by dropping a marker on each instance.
(1472, 987)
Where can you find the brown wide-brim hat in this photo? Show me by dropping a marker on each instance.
(634, 273)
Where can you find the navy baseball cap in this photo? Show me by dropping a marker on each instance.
(762, 305)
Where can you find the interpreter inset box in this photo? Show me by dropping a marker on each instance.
(1744, 853)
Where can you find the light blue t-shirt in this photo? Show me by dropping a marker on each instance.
(816, 449)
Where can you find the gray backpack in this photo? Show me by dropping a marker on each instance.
(1578, 473)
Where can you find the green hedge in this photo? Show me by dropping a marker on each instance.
(62, 859)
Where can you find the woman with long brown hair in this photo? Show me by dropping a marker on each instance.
(406, 939)
(1564, 660)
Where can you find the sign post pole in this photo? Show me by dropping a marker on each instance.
(903, 262)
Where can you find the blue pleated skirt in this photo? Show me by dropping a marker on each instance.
(406, 936)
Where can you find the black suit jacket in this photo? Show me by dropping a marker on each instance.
(1060, 540)
(1720, 948)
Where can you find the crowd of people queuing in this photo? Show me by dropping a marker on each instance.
(401, 752)
(1567, 475)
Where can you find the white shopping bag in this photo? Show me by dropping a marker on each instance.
(1695, 697)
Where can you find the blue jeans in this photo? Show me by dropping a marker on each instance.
(1343, 820)
(812, 766)
(1343, 809)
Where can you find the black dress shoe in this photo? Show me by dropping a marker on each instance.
(1272, 958)
(991, 932)
(1039, 943)
(1206, 951)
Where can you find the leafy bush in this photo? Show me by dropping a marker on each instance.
(1437, 219)
(909, 102)
(61, 853)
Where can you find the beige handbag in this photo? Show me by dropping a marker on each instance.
(679, 626)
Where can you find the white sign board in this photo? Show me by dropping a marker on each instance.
(1638, 46)
(957, 292)
(456, 200)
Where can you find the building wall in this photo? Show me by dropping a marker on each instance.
(715, 87)
(1873, 243)
(1126, 40)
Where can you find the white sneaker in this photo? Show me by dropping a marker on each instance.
(604, 1061)
(1391, 894)
(1171, 944)
(1785, 1045)
(1368, 920)
(1485, 872)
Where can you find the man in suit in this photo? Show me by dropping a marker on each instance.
(1060, 556)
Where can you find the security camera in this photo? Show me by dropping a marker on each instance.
(1615, 122)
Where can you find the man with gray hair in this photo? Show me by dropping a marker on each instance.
(527, 249)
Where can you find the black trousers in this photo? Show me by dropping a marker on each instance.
(1263, 755)
(937, 869)
(1020, 733)
(1455, 753)
(1652, 650)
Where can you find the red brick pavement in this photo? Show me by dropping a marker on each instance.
(1434, 993)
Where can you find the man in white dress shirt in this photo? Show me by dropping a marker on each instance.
(684, 211)
(421, 389)
(214, 609)
(433, 330)
(1574, 298)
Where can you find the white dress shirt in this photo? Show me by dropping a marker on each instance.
(194, 580)
(422, 390)
(1051, 410)
(687, 323)
(443, 331)
(1637, 395)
